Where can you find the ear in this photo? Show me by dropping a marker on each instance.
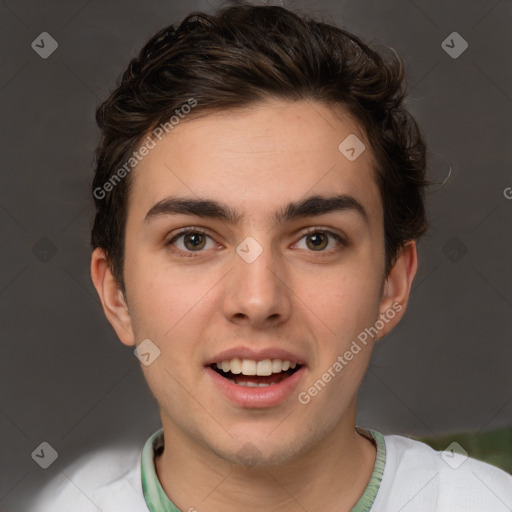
(397, 288)
(112, 299)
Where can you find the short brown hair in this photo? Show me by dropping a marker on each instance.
(245, 54)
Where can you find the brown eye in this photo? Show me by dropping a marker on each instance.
(317, 240)
(194, 240)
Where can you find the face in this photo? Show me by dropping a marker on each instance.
(281, 282)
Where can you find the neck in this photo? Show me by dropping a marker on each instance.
(333, 474)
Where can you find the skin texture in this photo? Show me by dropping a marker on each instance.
(257, 160)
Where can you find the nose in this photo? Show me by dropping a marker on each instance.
(258, 292)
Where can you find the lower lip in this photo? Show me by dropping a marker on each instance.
(253, 398)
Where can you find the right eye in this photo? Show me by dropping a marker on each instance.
(194, 240)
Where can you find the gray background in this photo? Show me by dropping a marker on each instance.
(67, 380)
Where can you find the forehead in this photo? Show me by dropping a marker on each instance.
(258, 158)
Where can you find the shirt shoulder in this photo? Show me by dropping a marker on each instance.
(107, 480)
(418, 477)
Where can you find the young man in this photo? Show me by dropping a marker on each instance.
(259, 192)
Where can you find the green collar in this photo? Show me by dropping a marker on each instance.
(158, 501)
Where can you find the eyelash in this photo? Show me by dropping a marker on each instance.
(309, 231)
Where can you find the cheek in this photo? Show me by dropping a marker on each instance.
(344, 301)
(171, 308)
(164, 299)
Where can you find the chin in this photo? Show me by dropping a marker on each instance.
(250, 456)
(259, 451)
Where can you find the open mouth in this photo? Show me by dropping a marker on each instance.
(251, 373)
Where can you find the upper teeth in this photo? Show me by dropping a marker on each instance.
(252, 367)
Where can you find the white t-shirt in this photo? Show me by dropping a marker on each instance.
(409, 476)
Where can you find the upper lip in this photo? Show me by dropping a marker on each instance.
(257, 355)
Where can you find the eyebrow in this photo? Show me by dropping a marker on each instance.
(210, 208)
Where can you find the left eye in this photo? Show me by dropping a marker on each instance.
(317, 239)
